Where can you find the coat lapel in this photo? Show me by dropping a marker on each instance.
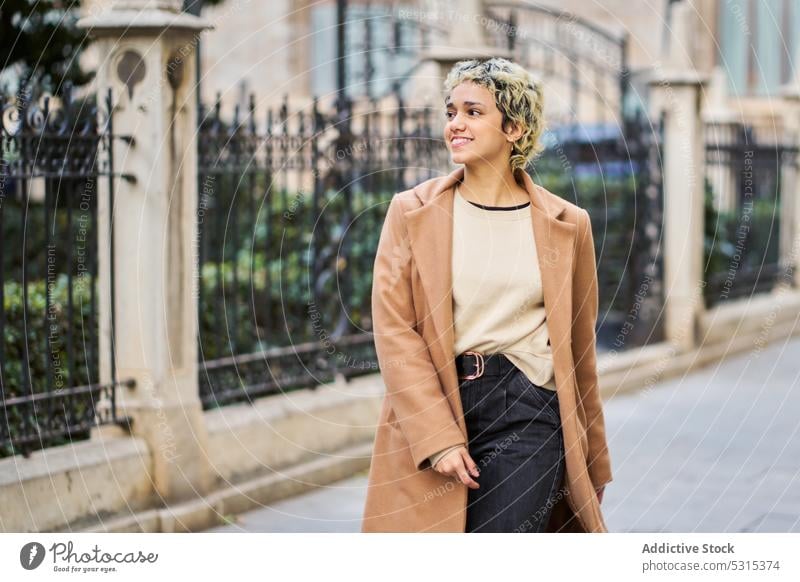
(430, 231)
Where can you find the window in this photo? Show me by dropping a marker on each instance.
(757, 44)
(385, 64)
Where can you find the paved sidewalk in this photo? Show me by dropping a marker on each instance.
(715, 451)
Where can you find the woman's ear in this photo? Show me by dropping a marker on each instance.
(514, 132)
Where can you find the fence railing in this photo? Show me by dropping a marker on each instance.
(747, 169)
(290, 209)
(584, 67)
(50, 169)
(615, 174)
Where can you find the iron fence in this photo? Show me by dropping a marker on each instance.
(290, 209)
(50, 168)
(615, 174)
(747, 168)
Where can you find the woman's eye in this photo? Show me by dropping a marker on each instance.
(449, 114)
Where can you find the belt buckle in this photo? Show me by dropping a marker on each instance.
(480, 363)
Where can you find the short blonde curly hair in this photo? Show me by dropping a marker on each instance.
(517, 94)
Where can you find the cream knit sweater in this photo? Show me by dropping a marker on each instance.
(498, 305)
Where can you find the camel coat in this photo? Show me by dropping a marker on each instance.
(413, 332)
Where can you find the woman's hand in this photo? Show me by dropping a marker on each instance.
(456, 463)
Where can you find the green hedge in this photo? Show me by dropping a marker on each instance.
(32, 327)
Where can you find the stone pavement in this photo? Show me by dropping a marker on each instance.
(717, 450)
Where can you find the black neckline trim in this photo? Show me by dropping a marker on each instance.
(485, 207)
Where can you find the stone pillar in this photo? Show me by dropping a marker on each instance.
(675, 91)
(146, 50)
(790, 203)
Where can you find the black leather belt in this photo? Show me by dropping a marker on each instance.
(471, 365)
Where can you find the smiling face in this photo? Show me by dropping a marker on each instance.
(473, 132)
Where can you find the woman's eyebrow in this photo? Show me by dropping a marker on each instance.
(451, 104)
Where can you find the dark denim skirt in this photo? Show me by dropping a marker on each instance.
(515, 438)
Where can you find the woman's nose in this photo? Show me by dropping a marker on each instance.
(456, 122)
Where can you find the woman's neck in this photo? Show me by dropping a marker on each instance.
(486, 186)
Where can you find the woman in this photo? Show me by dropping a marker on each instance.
(484, 305)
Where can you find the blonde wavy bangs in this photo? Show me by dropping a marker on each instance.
(517, 95)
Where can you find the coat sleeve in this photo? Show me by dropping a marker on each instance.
(413, 389)
(585, 308)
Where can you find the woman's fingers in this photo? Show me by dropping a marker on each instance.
(457, 466)
(466, 479)
(471, 465)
